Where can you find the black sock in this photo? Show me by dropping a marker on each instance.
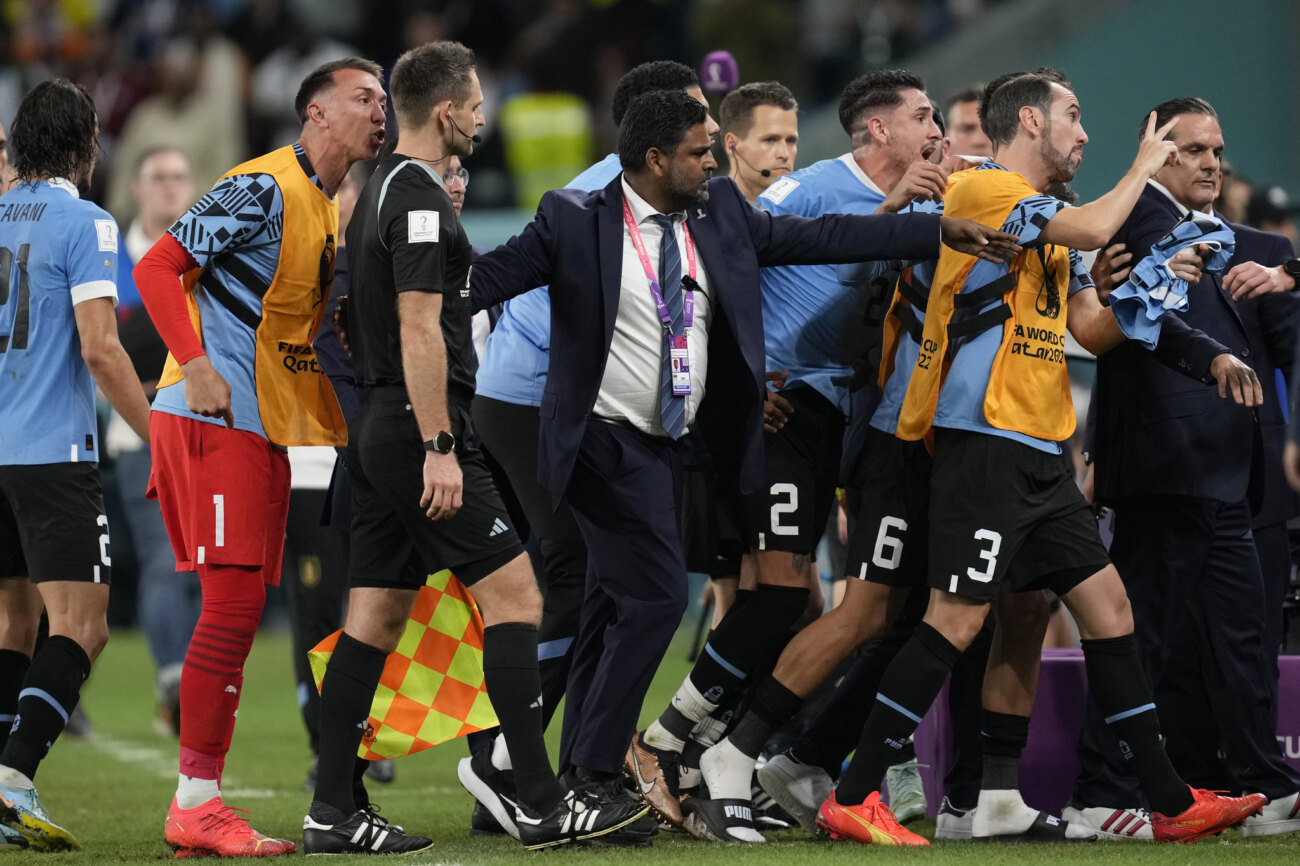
(908, 688)
(1124, 697)
(514, 685)
(749, 636)
(1003, 737)
(773, 706)
(360, 796)
(49, 695)
(13, 670)
(346, 695)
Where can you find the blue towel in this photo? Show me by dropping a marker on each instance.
(1152, 288)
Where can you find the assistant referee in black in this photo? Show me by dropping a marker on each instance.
(417, 487)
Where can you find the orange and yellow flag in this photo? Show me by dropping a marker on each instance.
(432, 687)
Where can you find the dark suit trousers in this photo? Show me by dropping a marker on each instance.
(626, 495)
(509, 432)
(1194, 581)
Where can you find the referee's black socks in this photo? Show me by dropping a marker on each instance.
(345, 698)
(48, 695)
(515, 687)
(1120, 689)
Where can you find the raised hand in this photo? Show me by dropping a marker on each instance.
(1154, 153)
(921, 180)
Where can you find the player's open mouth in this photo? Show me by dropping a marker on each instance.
(927, 152)
(378, 136)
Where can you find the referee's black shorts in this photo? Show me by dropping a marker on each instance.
(388, 525)
(1003, 510)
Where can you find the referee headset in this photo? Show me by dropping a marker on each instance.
(476, 138)
(765, 172)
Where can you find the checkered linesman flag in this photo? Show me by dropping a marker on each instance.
(432, 686)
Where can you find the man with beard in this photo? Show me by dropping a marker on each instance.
(812, 317)
(236, 290)
(1176, 465)
(654, 284)
(990, 382)
(418, 486)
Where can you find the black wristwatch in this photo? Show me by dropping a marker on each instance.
(1291, 267)
(440, 444)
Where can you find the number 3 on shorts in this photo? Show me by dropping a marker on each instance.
(989, 555)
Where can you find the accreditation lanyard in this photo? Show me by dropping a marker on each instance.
(678, 350)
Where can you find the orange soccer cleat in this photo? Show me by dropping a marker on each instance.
(1209, 813)
(871, 823)
(214, 830)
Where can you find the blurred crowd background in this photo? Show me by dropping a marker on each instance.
(217, 77)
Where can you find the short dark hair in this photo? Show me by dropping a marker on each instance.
(153, 150)
(1007, 94)
(1171, 108)
(970, 93)
(659, 119)
(736, 114)
(871, 92)
(647, 78)
(54, 132)
(321, 79)
(429, 74)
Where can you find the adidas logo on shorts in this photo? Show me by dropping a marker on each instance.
(498, 527)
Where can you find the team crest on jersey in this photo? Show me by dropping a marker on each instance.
(779, 189)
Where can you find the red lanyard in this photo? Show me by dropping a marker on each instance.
(688, 303)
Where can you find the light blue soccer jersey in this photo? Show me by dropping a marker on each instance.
(234, 232)
(813, 314)
(518, 351)
(961, 397)
(56, 251)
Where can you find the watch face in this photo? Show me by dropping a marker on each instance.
(1292, 268)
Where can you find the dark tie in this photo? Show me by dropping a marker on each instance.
(672, 410)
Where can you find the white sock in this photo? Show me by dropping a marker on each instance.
(728, 772)
(11, 778)
(659, 737)
(689, 703)
(501, 754)
(1005, 813)
(192, 792)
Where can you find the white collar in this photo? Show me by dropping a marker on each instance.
(642, 209)
(64, 184)
(1182, 210)
(861, 175)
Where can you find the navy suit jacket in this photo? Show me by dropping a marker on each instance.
(1162, 428)
(575, 245)
(1271, 322)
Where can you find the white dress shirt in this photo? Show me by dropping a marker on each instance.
(629, 390)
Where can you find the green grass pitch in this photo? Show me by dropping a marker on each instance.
(113, 789)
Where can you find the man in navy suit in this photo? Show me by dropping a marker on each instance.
(1176, 462)
(655, 304)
